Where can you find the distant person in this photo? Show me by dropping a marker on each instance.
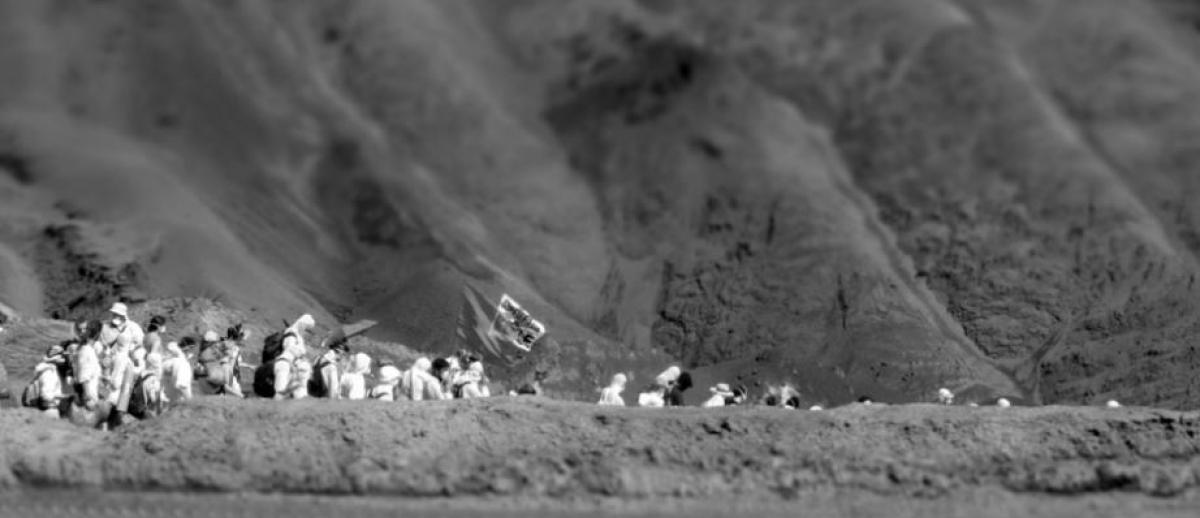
(666, 379)
(154, 335)
(208, 354)
(449, 375)
(121, 332)
(389, 380)
(419, 384)
(296, 335)
(86, 366)
(117, 366)
(945, 397)
(1003, 403)
(439, 369)
(218, 365)
(674, 396)
(146, 400)
(280, 352)
(866, 400)
(234, 344)
(326, 381)
(720, 394)
(611, 395)
(283, 368)
(471, 383)
(1112, 403)
(739, 396)
(176, 375)
(353, 384)
(299, 381)
(60, 356)
(80, 330)
(45, 391)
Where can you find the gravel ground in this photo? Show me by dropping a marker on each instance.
(565, 457)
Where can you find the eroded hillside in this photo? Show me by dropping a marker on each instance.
(859, 196)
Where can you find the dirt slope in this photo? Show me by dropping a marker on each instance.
(541, 449)
(858, 196)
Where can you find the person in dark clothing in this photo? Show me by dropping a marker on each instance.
(739, 396)
(675, 393)
(440, 365)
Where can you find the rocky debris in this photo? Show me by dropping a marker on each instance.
(80, 272)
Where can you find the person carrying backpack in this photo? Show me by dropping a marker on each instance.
(418, 384)
(470, 383)
(218, 365)
(146, 396)
(44, 392)
(272, 378)
(389, 379)
(325, 382)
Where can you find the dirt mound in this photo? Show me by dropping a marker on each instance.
(540, 448)
(857, 197)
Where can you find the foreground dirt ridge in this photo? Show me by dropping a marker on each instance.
(539, 448)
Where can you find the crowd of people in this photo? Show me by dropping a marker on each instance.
(112, 370)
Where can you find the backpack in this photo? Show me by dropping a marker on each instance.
(31, 397)
(217, 369)
(139, 406)
(264, 380)
(316, 384)
(273, 345)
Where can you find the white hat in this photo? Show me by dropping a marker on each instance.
(619, 379)
(422, 364)
(815, 408)
(211, 336)
(671, 374)
(119, 308)
(1112, 403)
(306, 320)
(1003, 403)
(722, 389)
(388, 375)
(362, 362)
